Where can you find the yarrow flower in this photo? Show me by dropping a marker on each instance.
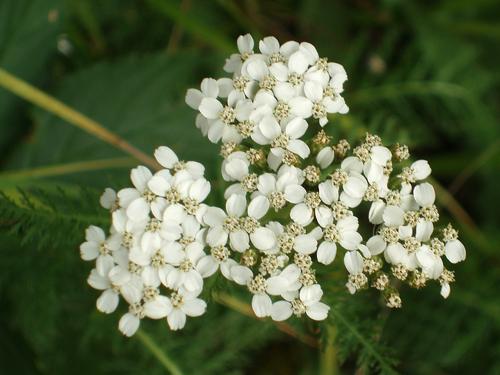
(150, 257)
(294, 199)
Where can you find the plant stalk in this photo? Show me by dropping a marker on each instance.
(328, 357)
(160, 354)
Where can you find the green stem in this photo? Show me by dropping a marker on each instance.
(63, 169)
(160, 354)
(328, 357)
(52, 105)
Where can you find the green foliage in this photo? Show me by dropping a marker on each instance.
(419, 73)
(46, 218)
(28, 30)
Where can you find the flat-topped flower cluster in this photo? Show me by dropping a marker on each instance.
(294, 199)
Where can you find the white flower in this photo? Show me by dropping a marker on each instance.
(139, 202)
(277, 190)
(209, 89)
(224, 226)
(343, 232)
(184, 304)
(97, 247)
(168, 159)
(286, 283)
(310, 297)
(245, 48)
(431, 264)
(287, 139)
(181, 268)
(222, 117)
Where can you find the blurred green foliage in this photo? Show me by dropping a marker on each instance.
(422, 73)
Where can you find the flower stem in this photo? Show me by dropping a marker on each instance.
(159, 353)
(328, 357)
(63, 169)
(52, 105)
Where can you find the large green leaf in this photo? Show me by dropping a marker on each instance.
(141, 99)
(28, 37)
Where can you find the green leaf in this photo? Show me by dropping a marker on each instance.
(28, 38)
(141, 99)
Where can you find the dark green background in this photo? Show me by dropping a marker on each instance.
(423, 73)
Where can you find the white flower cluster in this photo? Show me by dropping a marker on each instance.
(152, 253)
(294, 199)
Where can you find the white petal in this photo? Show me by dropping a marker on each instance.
(356, 186)
(313, 91)
(299, 147)
(328, 192)
(193, 98)
(424, 194)
(236, 205)
(210, 108)
(89, 250)
(396, 253)
(140, 177)
(424, 230)
(325, 157)
(207, 266)
(309, 295)
(376, 245)
(445, 290)
(294, 193)
(241, 274)
(108, 198)
(393, 216)
(270, 127)
(261, 304)
(239, 241)
(214, 216)
(281, 310)
(263, 239)
(296, 128)
(277, 285)
(176, 319)
(301, 214)
(107, 301)
(318, 311)
(128, 324)
(380, 155)
(258, 207)
(210, 87)
(305, 244)
(158, 308)
(217, 236)
(324, 216)
(455, 251)
(376, 212)
(138, 210)
(298, 62)
(326, 252)
(353, 262)
(350, 240)
(421, 169)
(257, 69)
(194, 307)
(301, 107)
(245, 43)
(94, 234)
